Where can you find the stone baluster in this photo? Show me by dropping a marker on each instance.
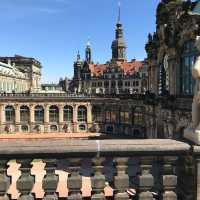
(98, 180)
(74, 181)
(4, 180)
(26, 181)
(146, 180)
(121, 180)
(169, 180)
(50, 181)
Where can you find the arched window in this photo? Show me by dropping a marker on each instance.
(68, 114)
(24, 114)
(82, 114)
(10, 114)
(39, 114)
(53, 114)
(188, 58)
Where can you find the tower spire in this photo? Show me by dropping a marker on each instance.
(118, 44)
(119, 12)
(88, 52)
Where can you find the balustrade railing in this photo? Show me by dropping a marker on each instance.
(128, 169)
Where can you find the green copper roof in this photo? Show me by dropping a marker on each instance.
(196, 10)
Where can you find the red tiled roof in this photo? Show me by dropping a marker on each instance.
(128, 67)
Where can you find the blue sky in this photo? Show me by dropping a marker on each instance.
(52, 31)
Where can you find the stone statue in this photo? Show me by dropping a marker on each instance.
(193, 131)
(196, 103)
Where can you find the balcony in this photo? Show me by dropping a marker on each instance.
(98, 169)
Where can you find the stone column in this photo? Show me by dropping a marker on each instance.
(46, 118)
(89, 117)
(75, 120)
(61, 118)
(2, 114)
(2, 118)
(32, 117)
(17, 118)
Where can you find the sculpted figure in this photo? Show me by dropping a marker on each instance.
(196, 76)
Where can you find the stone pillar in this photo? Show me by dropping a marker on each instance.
(74, 180)
(121, 180)
(61, 117)
(98, 180)
(146, 180)
(2, 118)
(2, 114)
(32, 117)
(4, 180)
(75, 120)
(17, 118)
(169, 180)
(46, 118)
(89, 117)
(50, 181)
(26, 181)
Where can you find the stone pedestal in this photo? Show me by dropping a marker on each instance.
(192, 135)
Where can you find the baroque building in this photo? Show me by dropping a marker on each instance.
(117, 76)
(171, 55)
(20, 74)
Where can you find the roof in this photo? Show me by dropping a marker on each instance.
(128, 67)
(18, 58)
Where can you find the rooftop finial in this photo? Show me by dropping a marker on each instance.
(119, 14)
(78, 56)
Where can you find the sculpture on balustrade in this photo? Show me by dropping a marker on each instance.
(193, 132)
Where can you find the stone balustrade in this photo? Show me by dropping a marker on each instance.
(130, 169)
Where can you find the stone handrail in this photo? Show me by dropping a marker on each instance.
(153, 162)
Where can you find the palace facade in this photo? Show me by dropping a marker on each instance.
(60, 112)
(117, 76)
